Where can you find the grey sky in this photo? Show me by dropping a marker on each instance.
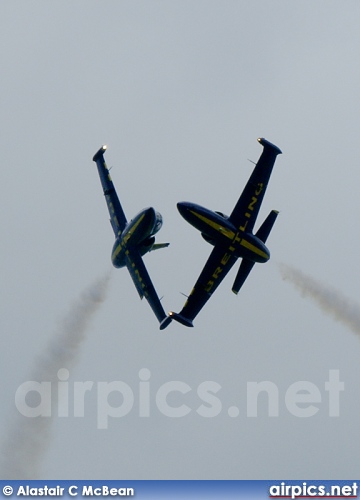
(180, 91)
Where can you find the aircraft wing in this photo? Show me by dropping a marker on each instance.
(247, 208)
(143, 283)
(216, 268)
(117, 217)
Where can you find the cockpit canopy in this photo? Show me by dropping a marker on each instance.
(158, 222)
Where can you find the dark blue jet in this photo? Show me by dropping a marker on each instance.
(232, 237)
(133, 239)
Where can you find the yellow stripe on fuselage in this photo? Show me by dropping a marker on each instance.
(231, 235)
(127, 236)
(253, 248)
(226, 232)
(117, 251)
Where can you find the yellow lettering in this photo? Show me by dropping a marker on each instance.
(237, 237)
(216, 273)
(252, 203)
(242, 228)
(225, 259)
(259, 189)
(209, 286)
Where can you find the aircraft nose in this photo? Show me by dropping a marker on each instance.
(149, 217)
(183, 207)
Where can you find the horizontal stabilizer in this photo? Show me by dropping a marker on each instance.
(181, 319)
(247, 265)
(165, 322)
(157, 246)
(243, 273)
(267, 226)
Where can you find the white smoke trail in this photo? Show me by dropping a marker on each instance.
(331, 301)
(28, 438)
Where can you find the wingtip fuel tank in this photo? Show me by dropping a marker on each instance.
(267, 144)
(100, 152)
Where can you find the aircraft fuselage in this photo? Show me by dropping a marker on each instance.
(216, 228)
(138, 233)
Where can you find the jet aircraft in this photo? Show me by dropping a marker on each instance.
(132, 239)
(232, 237)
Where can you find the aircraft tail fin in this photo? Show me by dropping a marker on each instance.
(157, 246)
(243, 273)
(266, 227)
(246, 265)
(165, 322)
